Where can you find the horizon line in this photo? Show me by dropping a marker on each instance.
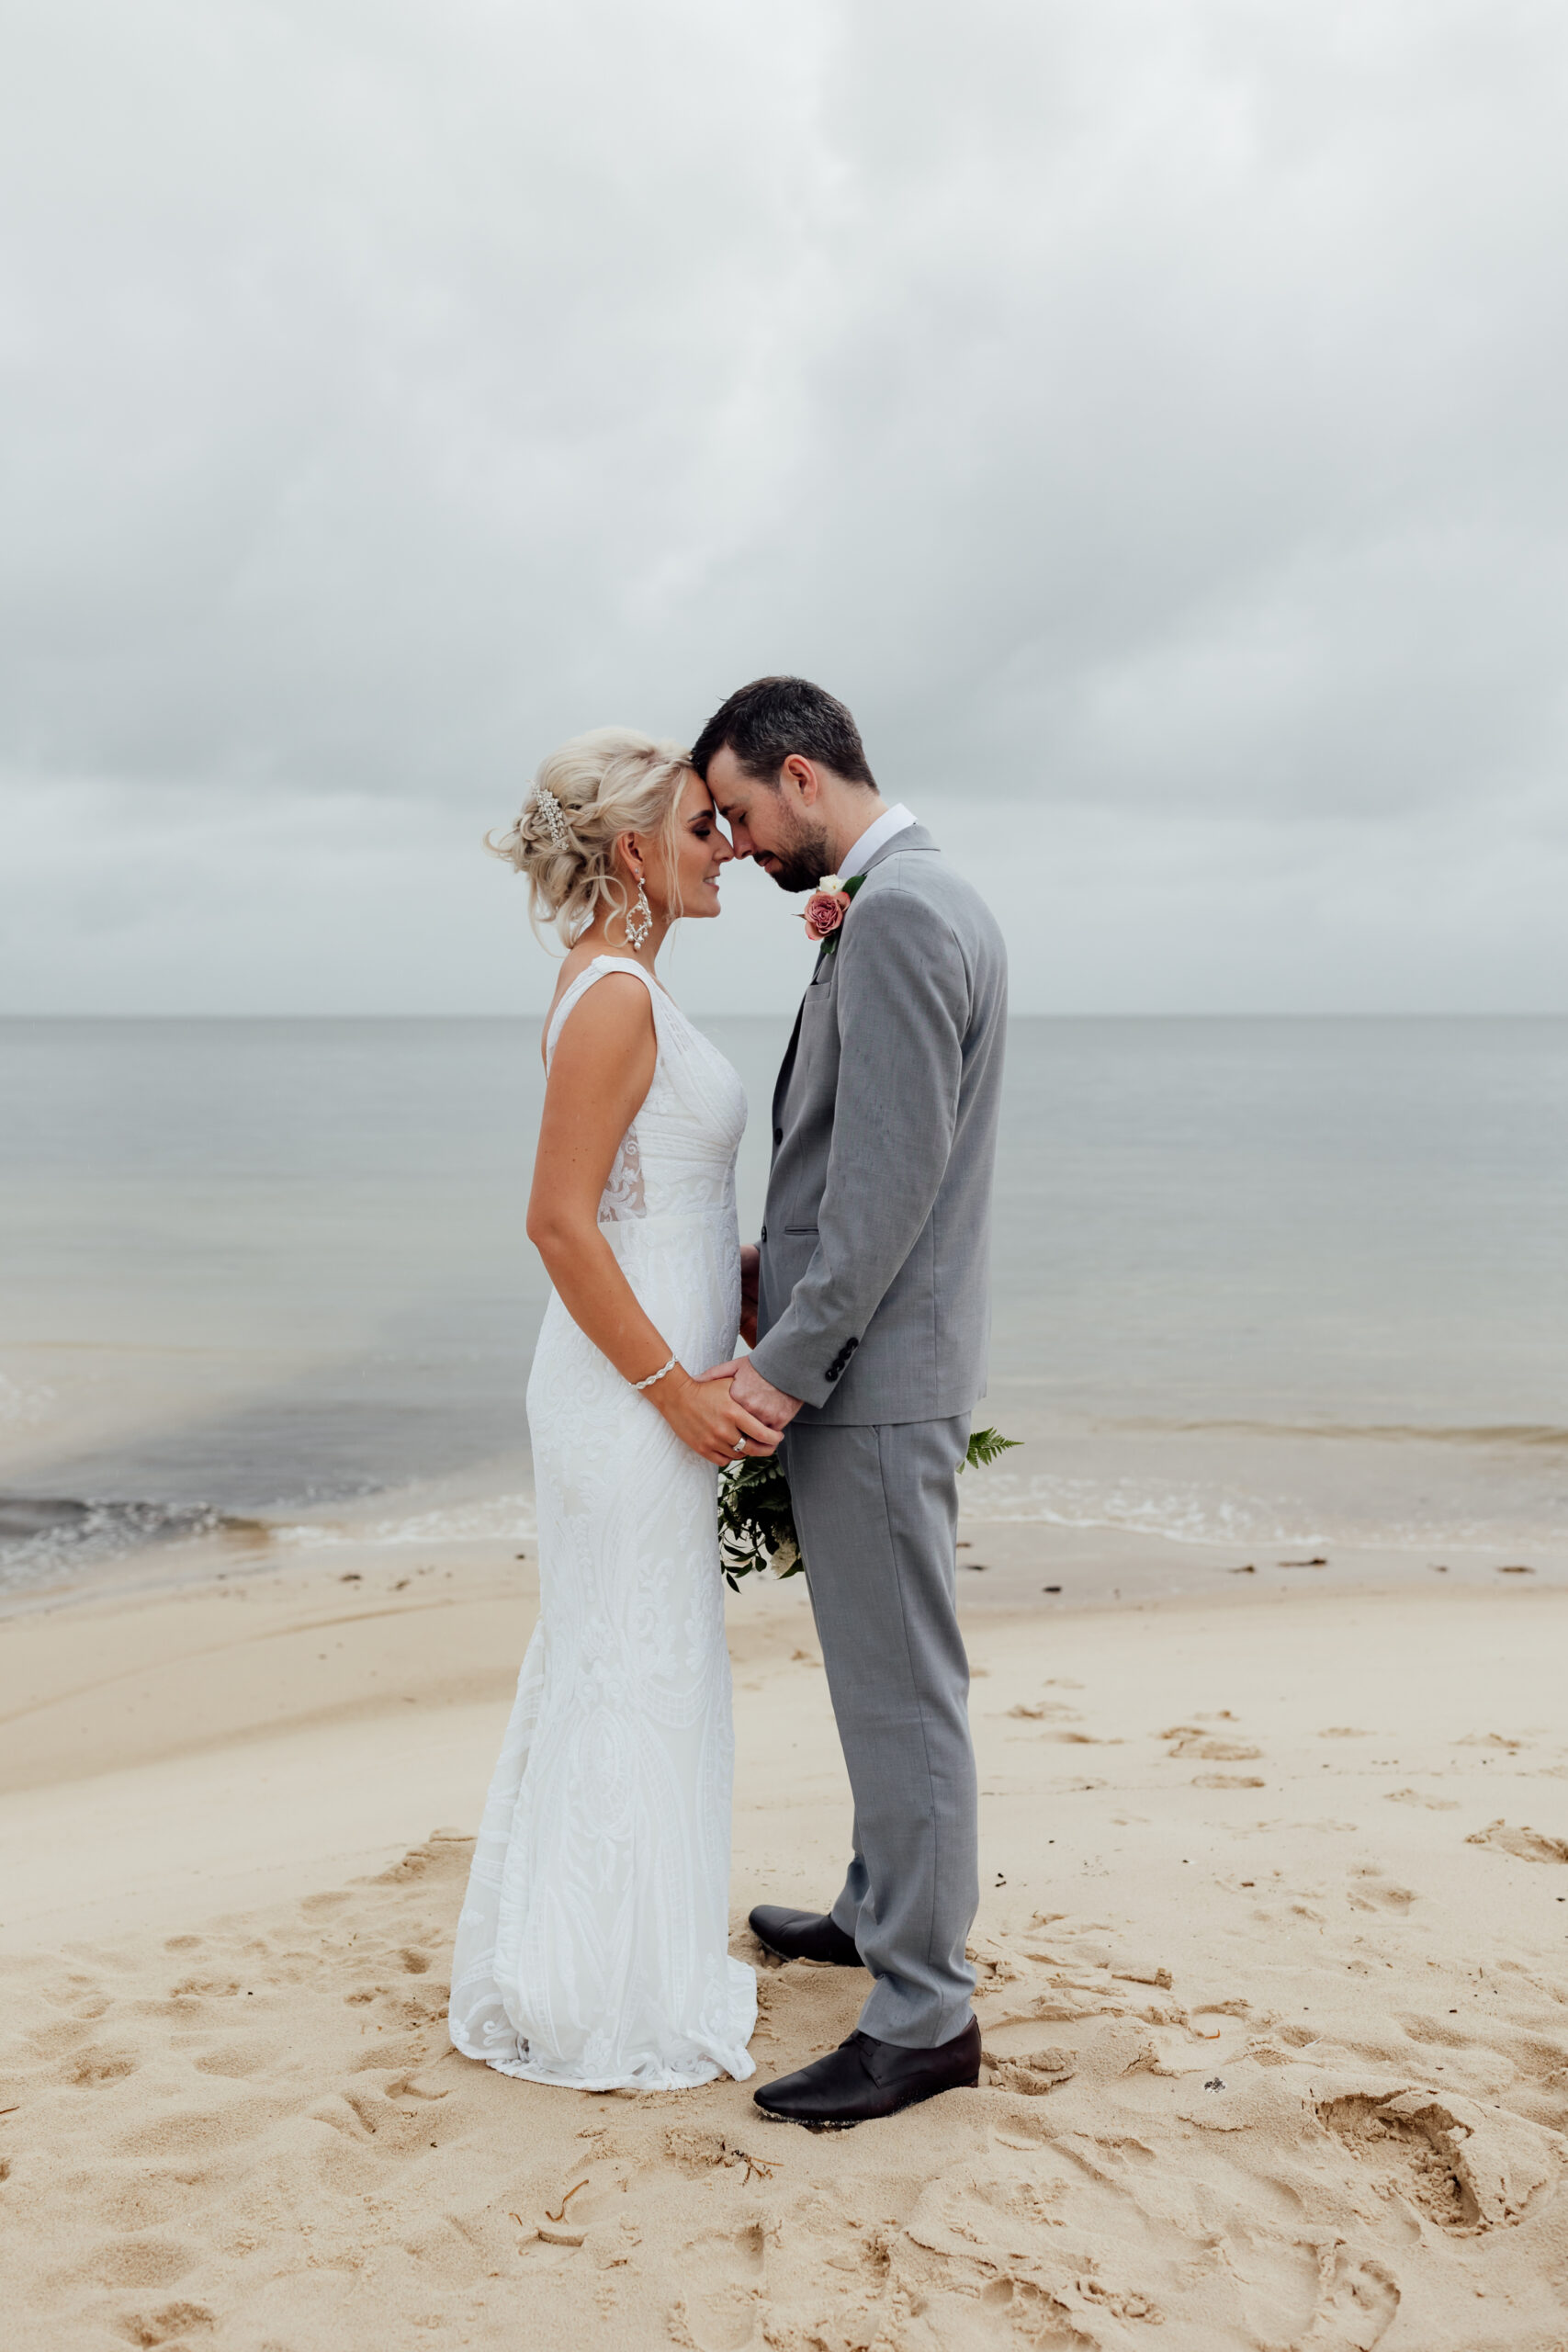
(707, 1012)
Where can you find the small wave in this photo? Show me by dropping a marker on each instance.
(23, 1404)
(1531, 1433)
(1215, 1515)
(1181, 1514)
(41, 1534)
(504, 1517)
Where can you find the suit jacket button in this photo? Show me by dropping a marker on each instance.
(778, 1135)
(763, 1235)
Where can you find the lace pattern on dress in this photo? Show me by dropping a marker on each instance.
(625, 1195)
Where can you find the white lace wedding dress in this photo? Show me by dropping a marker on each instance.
(592, 1945)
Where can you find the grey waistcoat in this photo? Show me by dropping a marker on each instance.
(874, 1304)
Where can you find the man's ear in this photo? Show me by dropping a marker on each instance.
(804, 776)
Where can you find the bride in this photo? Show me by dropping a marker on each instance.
(592, 1945)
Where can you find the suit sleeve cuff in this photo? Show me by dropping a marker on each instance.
(789, 1361)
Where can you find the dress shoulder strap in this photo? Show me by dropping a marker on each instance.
(579, 987)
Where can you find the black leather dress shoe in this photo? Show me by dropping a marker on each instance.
(864, 2078)
(804, 1935)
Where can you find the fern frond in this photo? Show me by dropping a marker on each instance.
(985, 1447)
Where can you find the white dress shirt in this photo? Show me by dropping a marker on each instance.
(892, 820)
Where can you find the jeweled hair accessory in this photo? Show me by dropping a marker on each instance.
(549, 809)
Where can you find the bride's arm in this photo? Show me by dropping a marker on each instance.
(602, 1069)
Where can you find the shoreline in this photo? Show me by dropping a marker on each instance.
(1095, 1565)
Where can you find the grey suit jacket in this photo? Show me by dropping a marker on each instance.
(873, 1302)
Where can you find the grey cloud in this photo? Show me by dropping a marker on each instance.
(1130, 410)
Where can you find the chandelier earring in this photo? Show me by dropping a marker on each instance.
(640, 919)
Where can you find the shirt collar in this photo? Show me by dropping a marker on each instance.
(892, 820)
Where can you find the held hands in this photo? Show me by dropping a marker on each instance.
(704, 1416)
(753, 1393)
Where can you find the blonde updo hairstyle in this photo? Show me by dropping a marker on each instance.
(609, 781)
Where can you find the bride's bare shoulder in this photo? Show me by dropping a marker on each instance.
(573, 965)
(610, 1021)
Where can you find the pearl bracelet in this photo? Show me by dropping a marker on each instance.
(655, 1376)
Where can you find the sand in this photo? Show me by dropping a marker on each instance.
(1274, 1989)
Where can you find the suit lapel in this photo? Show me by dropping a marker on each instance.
(912, 837)
(781, 1084)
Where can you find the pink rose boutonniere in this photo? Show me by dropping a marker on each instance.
(826, 909)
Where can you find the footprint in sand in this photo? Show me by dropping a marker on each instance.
(1359, 2302)
(237, 2061)
(184, 2321)
(1435, 2032)
(1370, 1891)
(1418, 1796)
(699, 2153)
(720, 2308)
(1191, 1741)
(135, 2196)
(1464, 2169)
(89, 2003)
(1527, 1845)
(1032, 2071)
(92, 2069)
(140, 2262)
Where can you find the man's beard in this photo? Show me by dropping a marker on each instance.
(802, 865)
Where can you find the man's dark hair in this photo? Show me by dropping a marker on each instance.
(765, 722)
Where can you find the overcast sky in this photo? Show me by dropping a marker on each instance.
(1150, 416)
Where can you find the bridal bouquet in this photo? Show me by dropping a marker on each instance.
(756, 1523)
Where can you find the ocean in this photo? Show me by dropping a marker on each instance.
(1256, 1280)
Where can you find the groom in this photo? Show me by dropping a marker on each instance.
(873, 1319)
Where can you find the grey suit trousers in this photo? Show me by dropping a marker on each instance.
(876, 1507)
